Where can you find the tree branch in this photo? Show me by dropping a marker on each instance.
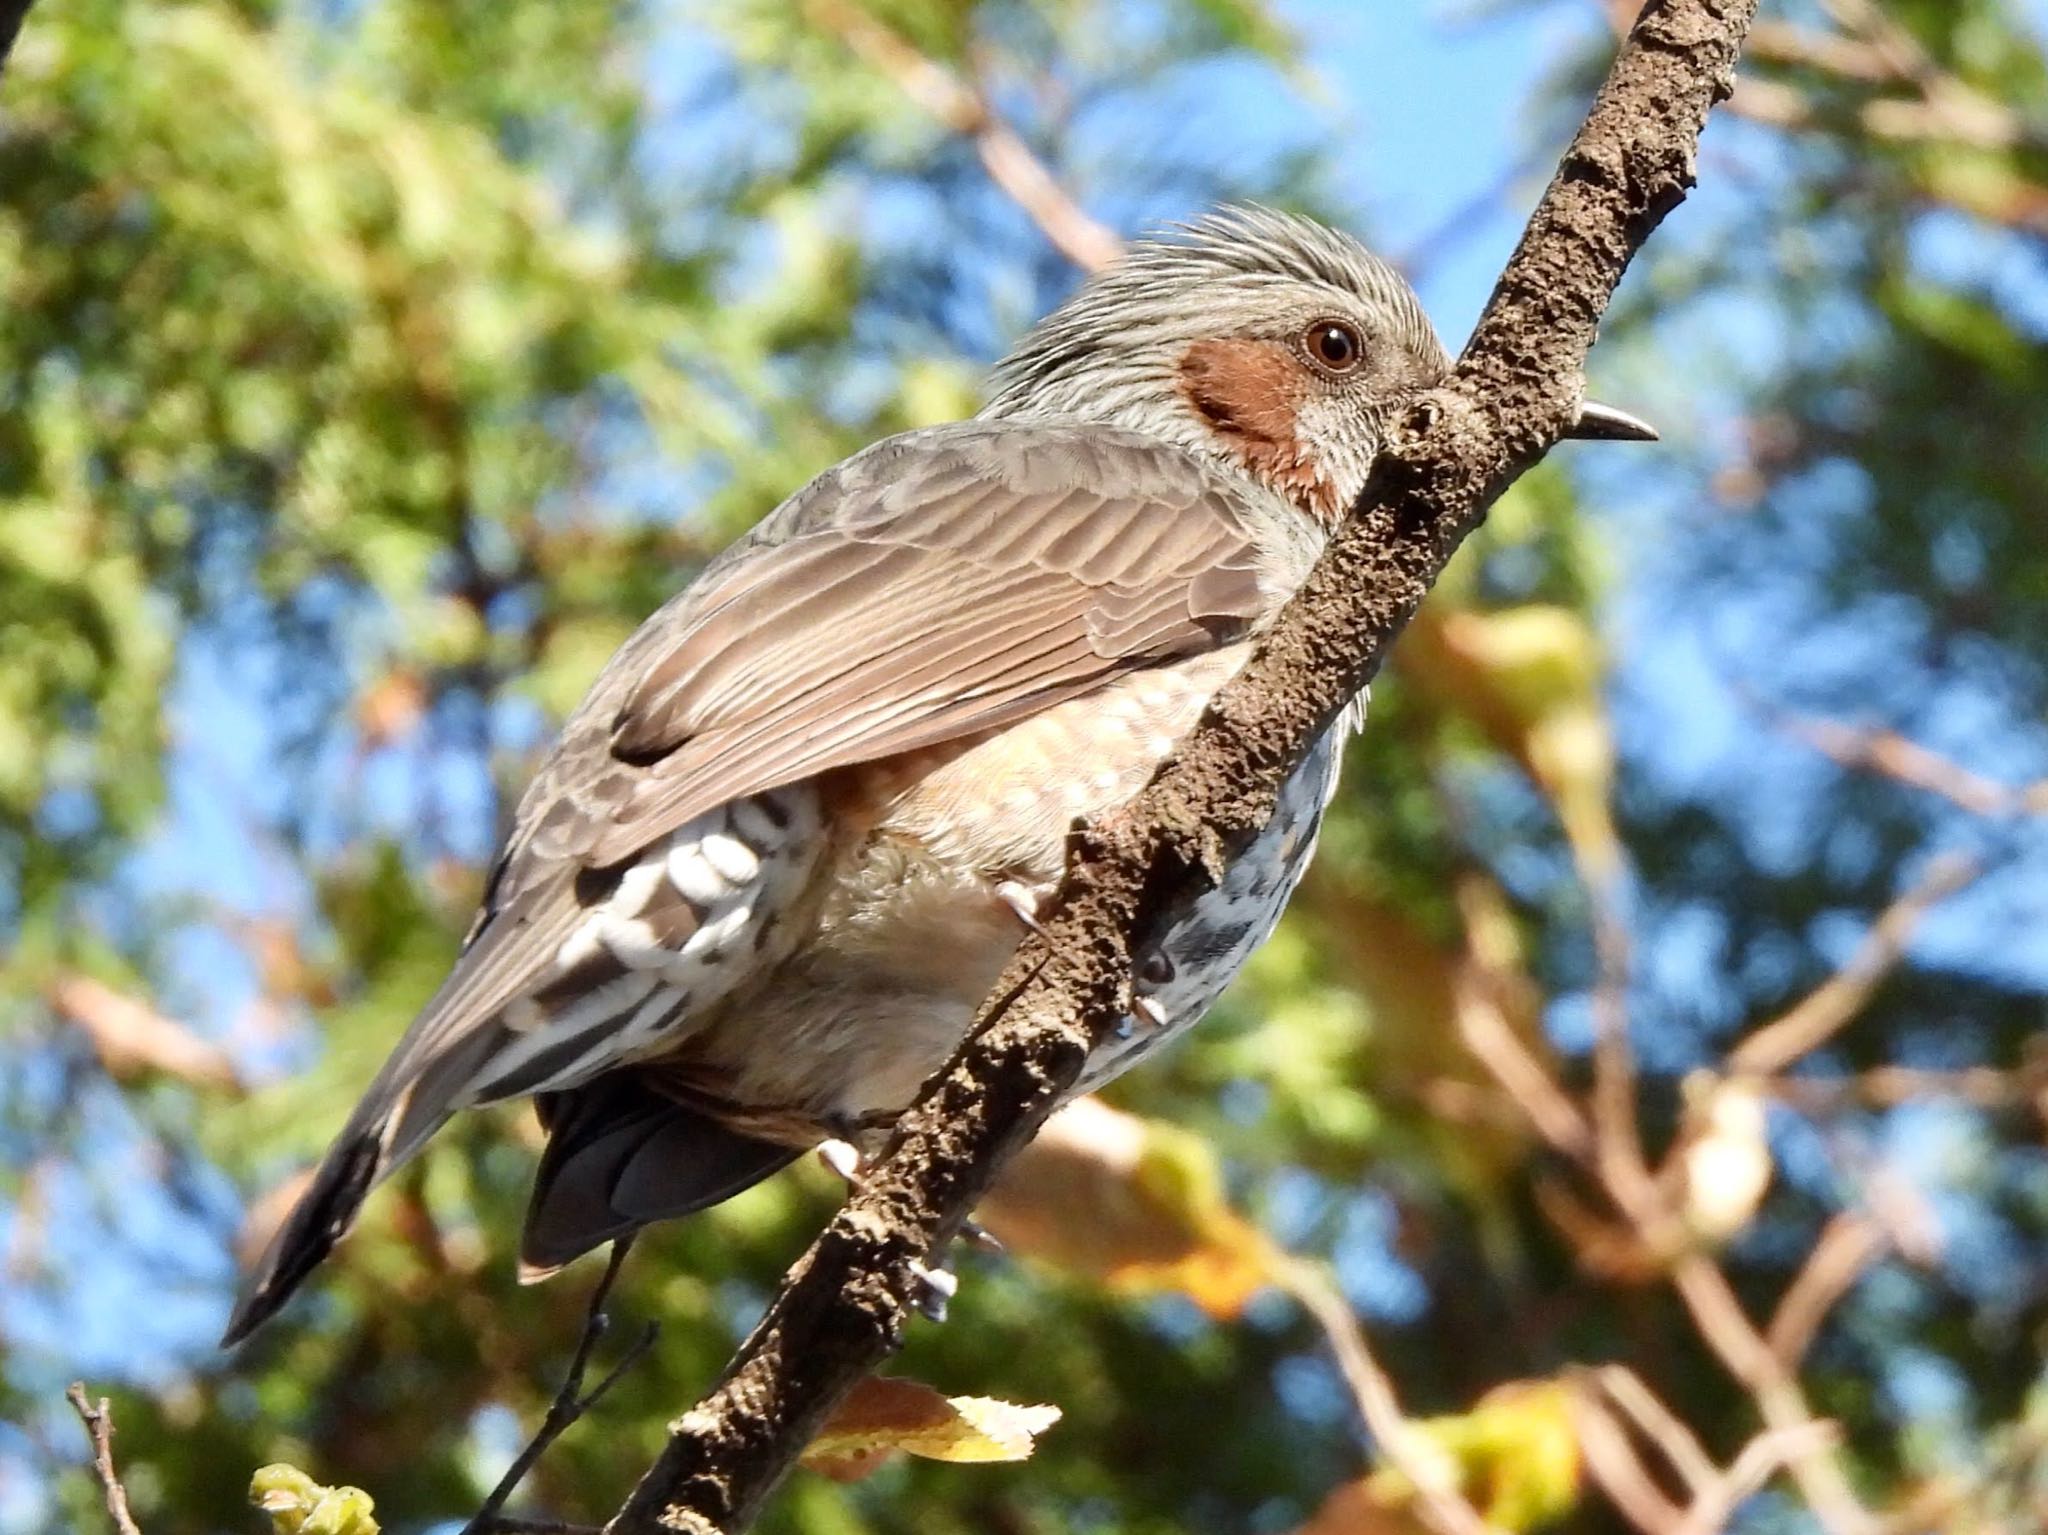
(570, 1402)
(964, 108)
(1429, 1468)
(1830, 1007)
(1518, 385)
(99, 1426)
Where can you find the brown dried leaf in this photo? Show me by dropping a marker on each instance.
(389, 707)
(131, 1037)
(1354, 1509)
(885, 1416)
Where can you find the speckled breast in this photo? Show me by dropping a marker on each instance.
(1205, 948)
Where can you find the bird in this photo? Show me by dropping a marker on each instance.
(755, 893)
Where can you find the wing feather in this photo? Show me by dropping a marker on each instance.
(934, 588)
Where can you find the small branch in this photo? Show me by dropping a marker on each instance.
(1759, 1460)
(1949, 107)
(1484, 1028)
(1892, 755)
(1617, 1138)
(1616, 1470)
(571, 1402)
(1728, 1331)
(1515, 389)
(1428, 1468)
(129, 1036)
(1836, 1002)
(1848, 1245)
(1784, 42)
(1871, 50)
(1714, 1494)
(1982, 1087)
(964, 109)
(99, 1426)
(1614, 1467)
(1659, 1424)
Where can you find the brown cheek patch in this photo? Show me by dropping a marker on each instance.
(1250, 393)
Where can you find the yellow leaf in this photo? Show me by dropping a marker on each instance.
(886, 1416)
(298, 1505)
(1516, 1451)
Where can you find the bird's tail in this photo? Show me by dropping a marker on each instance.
(352, 1167)
(623, 1154)
(422, 1083)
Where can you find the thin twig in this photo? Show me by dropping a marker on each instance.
(1848, 1245)
(1427, 1466)
(129, 1036)
(1873, 749)
(1725, 1326)
(1756, 1462)
(1486, 1031)
(1871, 50)
(1616, 1469)
(1836, 1002)
(1949, 107)
(571, 1402)
(1982, 1087)
(1784, 42)
(1659, 1424)
(964, 108)
(99, 1425)
(1618, 1141)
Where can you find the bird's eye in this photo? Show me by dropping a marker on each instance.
(1334, 345)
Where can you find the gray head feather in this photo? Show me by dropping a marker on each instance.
(1114, 351)
(1209, 277)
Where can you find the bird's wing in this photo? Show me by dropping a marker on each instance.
(937, 586)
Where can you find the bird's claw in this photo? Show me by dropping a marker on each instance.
(981, 1239)
(1021, 901)
(936, 1288)
(843, 1157)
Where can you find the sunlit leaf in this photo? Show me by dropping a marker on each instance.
(888, 1415)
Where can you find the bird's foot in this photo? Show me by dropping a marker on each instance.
(1147, 1013)
(1023, 901)
(844, 1158)
(936, 1288)
(981, 1239)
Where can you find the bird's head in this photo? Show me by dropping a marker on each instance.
(1281, 347)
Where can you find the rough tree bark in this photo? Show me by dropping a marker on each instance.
(843, 1308)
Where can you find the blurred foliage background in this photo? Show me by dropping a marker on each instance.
(1655, 1059)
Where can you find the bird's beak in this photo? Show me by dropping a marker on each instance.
(1603, 423)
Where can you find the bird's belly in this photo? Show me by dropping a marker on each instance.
(911, 941)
